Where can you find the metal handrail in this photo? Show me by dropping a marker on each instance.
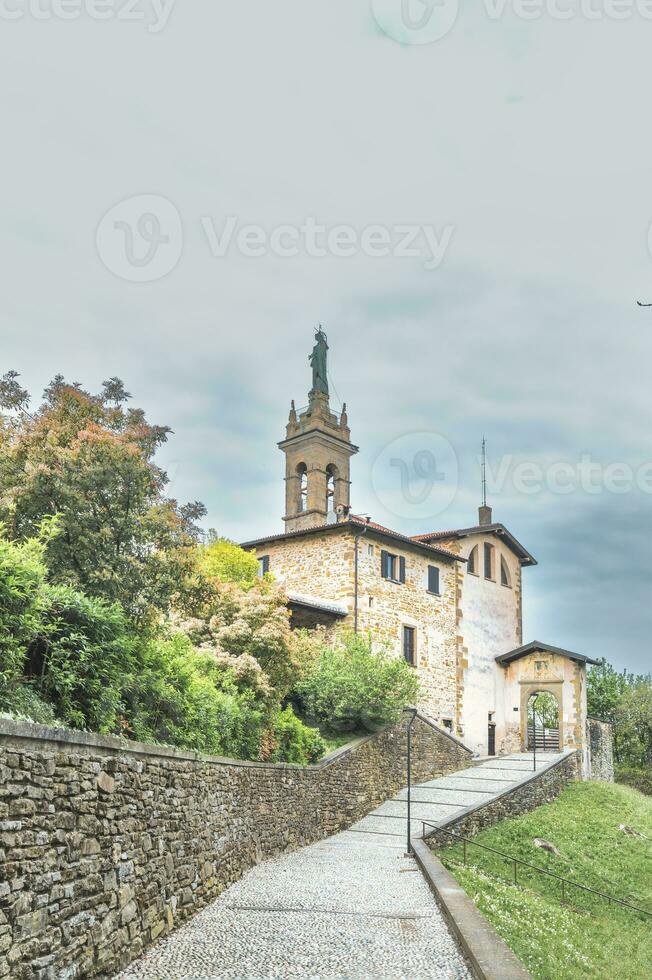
(516, 861)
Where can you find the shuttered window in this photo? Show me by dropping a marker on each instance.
(433, 579)
(409, 644)
(392, 566)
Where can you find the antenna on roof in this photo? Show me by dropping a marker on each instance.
(484, 472)
(484, 512)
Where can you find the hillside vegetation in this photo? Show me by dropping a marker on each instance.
(585, 937)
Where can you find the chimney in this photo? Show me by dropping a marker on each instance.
(484, 513)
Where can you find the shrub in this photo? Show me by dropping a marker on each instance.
(83, 658)
(639, 777)
(22, 574)
(295, 741)
(352, 686)
(183, 697)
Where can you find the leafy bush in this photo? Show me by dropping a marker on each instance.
(352, 686)
(638, 777)
(22, 574)
(82, 658)
(183, 697)
(295, 741)
(26, 705)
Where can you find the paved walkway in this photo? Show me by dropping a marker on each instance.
(447, 796)
(351, 906)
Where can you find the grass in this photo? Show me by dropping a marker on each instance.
(338, 740)
(585, 936)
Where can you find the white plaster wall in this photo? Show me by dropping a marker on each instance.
(489, 626)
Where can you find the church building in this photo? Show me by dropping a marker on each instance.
(448, 602)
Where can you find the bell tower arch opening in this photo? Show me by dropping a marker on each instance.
(318, 452)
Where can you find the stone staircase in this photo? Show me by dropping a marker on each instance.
(439, 800)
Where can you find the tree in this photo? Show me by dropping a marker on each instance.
(90, 460)
(226, 561)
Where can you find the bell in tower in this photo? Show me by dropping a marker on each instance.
(318, 452)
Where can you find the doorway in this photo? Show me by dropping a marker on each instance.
(543, 722)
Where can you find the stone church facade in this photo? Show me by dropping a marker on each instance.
(449, 602)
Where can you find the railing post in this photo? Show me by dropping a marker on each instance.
(409, 777)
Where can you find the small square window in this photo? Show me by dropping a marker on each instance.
(448, 723)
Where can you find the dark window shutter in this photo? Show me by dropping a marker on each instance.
(433, 579)
(265, 564)
(384, 564)
(401, 569)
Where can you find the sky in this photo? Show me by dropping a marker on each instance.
(461, 196)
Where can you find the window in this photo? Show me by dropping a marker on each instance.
(473, 561)
(302, 473)
(409, 644)
(447, 723)
(489, 561)
(371, 602)
(433, 579)
(263, 566)
(392, 567)
(370, 551)
(505, 577)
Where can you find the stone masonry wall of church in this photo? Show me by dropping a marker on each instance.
(321, 565)
(106, 845)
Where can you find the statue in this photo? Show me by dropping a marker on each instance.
(318, 362)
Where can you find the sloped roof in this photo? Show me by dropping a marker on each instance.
(500, 530)
(507, 658)
(351, 522)
(319, 605)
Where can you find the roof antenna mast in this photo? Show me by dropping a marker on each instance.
(484, 512)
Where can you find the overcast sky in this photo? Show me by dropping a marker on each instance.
(513, 159)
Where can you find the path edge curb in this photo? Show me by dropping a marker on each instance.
(486, 953)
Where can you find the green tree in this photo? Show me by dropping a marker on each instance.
(90, 460)
(226, 561)
(352, 686)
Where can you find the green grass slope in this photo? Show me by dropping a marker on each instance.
(585, 937)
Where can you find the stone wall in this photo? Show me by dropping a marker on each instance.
(384, 607)
(599, 742)
(541, 788)
(107, 845)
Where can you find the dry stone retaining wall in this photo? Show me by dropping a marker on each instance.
(106, 845)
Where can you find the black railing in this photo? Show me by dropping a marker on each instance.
(566, 883)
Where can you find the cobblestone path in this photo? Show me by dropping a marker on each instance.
(351, 906)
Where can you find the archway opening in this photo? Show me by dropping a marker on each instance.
(302, 473)
(543, 722)
(331, 475)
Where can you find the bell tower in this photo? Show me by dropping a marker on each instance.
(318, 452)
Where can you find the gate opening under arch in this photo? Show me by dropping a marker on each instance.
(543, 722)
